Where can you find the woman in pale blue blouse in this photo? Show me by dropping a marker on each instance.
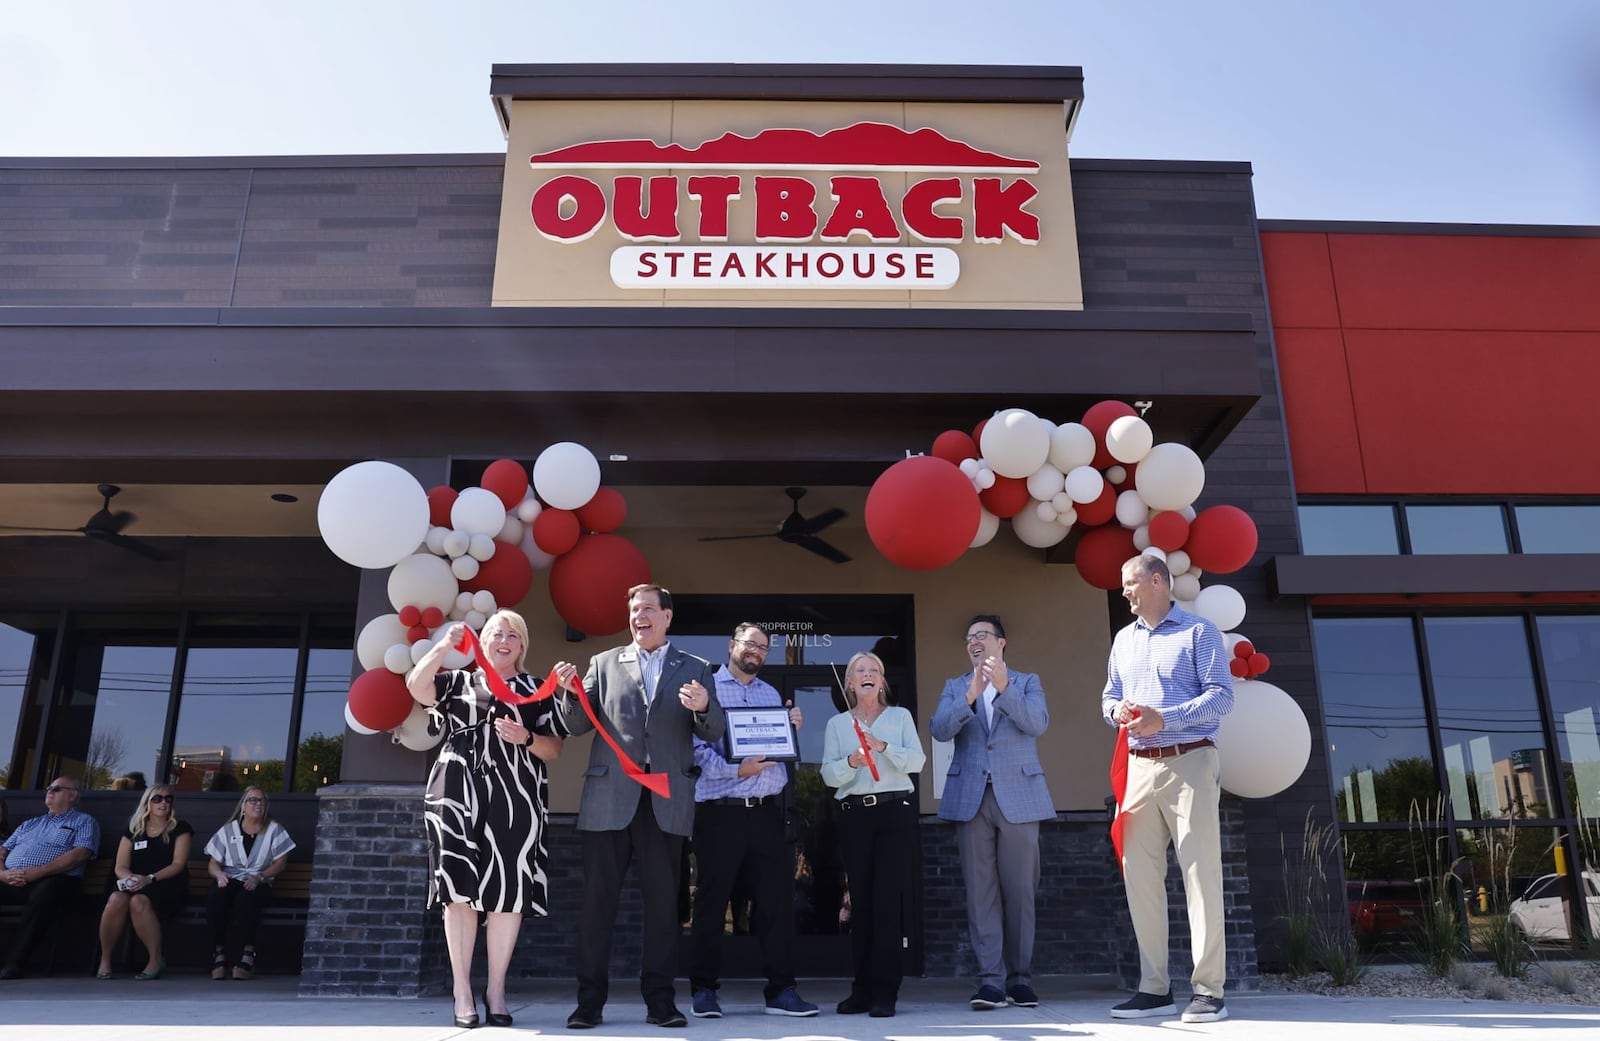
(878, 826)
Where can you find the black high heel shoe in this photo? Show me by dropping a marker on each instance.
(468, 1022)
(494, 1019)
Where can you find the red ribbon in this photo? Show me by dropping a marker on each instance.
(866, 753)
(1119, 786)
(502, 691)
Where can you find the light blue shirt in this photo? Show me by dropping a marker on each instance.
(650, 663)
(39, 840)
(1179, 667)
(896, 764)
(719, 779)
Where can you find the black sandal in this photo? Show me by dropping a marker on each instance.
(219, 965)
(245, 969)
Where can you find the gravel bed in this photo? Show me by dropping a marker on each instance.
(1547, 983)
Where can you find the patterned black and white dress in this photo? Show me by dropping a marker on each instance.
(487, 801)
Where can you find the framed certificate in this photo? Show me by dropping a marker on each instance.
(759, 731)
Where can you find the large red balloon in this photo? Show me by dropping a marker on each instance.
(1101, 554)
(955, 445)
(922, 513)
(1221, 539)
(555, 531)
(440, 499)
(1007, 497)
(1168, 530)
(1101, 510)
(605, 512)
(1099, 419)
(507, 479)
(589, 584)
(379, 699)
(507, 576)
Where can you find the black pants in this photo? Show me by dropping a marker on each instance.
(43, 904)
(877, 844)
(235, 914)
(726, 840)
(605, 862)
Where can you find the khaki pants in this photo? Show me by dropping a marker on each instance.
(1173, 801)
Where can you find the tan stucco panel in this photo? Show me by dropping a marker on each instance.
(531, 270)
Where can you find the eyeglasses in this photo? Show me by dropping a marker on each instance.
(255, 798)
(58, 788)
(762, 647)
(981, 634)
(160, 798)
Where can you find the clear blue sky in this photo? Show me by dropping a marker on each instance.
(1451, 110)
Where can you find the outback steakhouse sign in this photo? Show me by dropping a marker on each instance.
(853, 237)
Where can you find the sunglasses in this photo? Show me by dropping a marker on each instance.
(58, 788)
(255, 799)
(160, 798)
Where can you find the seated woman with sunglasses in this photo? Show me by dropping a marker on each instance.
(150, 882)
(246, 853)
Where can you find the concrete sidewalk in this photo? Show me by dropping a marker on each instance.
(194, 1008)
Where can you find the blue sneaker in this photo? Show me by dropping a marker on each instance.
(705, 1004)
(789, 1003)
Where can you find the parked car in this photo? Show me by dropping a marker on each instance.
(1383, 911)
(1539, 915)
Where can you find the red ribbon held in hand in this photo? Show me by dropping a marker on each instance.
(866, 753)
(1119, 785)
(502, 691)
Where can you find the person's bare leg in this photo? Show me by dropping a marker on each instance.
(112, 920)
(500, 941)
(148, 928)
(460, 938)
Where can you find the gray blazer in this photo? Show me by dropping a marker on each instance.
(1007, 756)
(663, 737)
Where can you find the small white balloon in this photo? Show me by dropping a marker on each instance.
(1116, 474)
(528, 509)
(1263, 745)
(1067, 517)
(375, 638)
(1071, 446)
(465, 568)
(511, 533)
(481, 548)
(355, 724)
(1196, 572)
(970, 467)
(1062, 502)
(1232, 640)
(537, 557)
(422, 580)
(988, 524)
(1131, 510)
(456, 543)
(478, 511)
(419, 650)
(985, 479)
(435, 540)
(1223, 606)
(464, 601)
(1045, 511)
(1188, 512)
(453, 659)
(397, 658)
(1046, 483)
(1154, 551)
(1040, 534)
(483, 601)
(1128, 439)
(475, 620)
(566, 475)
(458, 614)
(415, 732)
(1014, 443)
(1170, 477)
(1178, 563)
(1141, 537)
(1084, 484)
(1187, 605)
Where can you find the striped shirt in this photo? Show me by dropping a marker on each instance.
(39, 840)
(1179, 668)
(719, 779)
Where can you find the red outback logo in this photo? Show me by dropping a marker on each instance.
(942, 208)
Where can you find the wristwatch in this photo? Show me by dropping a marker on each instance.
(150, 880)
(529, 742)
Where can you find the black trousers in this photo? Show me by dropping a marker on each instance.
(605, 862)
(877, 844)
(727, 839)
(235, 914)
(43, 904)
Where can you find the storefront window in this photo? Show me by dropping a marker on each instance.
(1391, 875)
(1559, 529)
(1345, 530)
(233, 719)
(1570, 647)
(19, 667)
(1495, 762)
(1456, 529)
(107, 725)
(1377, 730)
(320, 745)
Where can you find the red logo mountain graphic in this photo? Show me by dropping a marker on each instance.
(863, 146)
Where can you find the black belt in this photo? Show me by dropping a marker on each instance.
(1167, 751)
(748, 803)
(856, 802)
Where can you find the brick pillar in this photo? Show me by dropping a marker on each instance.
(369, 932)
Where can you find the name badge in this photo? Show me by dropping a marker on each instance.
(627, 656)
(141, 844)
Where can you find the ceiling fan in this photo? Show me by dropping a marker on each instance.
(105, 526)
(799, 531)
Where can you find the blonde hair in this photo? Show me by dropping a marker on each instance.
(266, 806)
(850, 697)
(141, 814)
(515, 623)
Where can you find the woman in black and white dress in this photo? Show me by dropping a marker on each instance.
(486, 804)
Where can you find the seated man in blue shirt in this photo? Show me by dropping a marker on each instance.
(41, 866)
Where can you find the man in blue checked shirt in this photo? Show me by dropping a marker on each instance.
(41, 866)
(738, 820)
(1168, 682)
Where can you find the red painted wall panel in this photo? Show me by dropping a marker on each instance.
(1319, 411)
(1300, 280)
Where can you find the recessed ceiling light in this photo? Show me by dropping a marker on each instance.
(284, 497)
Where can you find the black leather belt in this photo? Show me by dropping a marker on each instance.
(856, 802)
(748, 803)
(1168, 751)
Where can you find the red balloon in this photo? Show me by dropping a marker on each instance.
(1221, 539)
(432, 617)
(977, 432)
(955, 445)
(507, 479)
(922, 513)
(440, 499)
(1100, 511)
(1099, 419)
(605, 512)
(1243, 649)
(506, 575)
(1007, 497)
(1168, 530)
(417, 632)
(379, 699)
(555, 531)
(410, 615)
(1239, 667)
(1101, 554)
(1259, 663)
(589, 584)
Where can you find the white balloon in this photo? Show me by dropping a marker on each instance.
(1128, 439)
(465, 568)
(354, 724)
(453, 659)
(1231, 640)
(1196, 572)
(464, 601)
(478, 511)
(435, 540)
(1170, 477)
(1187, 605)
(1035, 532)
(536, 556)
(1116, 474)
(1045, 511)
(1067, 517)
(988, 524)
(1189, 513)
(475, 620)
(1062, 502)
(375, 638)
(481, 548)
(422, 580)
(1141, 537)
(372, 514)
(970, 467)
(397, 658)
(985, 479)
(1046, 483)
(1071, 446)
(566, 475)
(414, 732)
(1014, 443)
(1178, 563)
(511, 532)
(1084, 484)
(528, 510)
(456, 543)
(1263, 745)
(1154, 551)
(1223, 606)
(483, 601)
(459, 614)
(419, 650)
(1131, 510)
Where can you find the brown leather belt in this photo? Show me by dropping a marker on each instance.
(1167, 751)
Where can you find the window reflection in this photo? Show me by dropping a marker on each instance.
(1456, 529)
(320, 745)
(1377, 732)
(1559, 529)
(233, 718)
(16, 664)
(125, 692)
(1344, 530)
(1570, 647)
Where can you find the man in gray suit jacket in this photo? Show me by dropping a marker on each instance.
(653, 699)
(997, 793)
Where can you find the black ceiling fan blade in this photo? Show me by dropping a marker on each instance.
(730, 538)
(819, 547)
(25, 527)
(825, 519)
(133, 545)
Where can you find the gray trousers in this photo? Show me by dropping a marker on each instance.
(1000, 864)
